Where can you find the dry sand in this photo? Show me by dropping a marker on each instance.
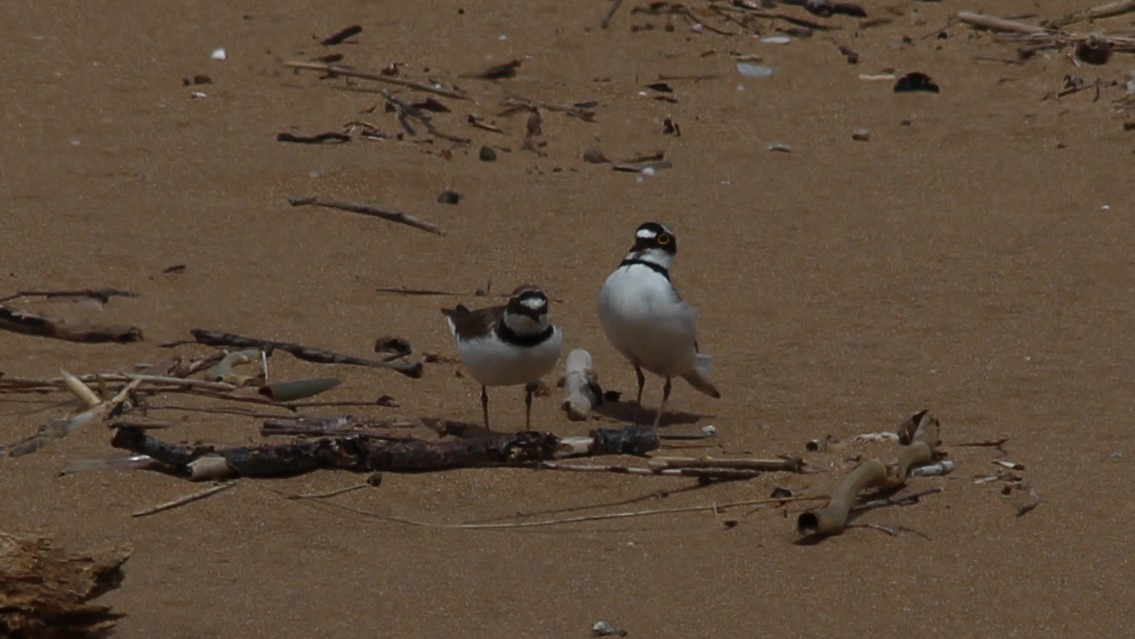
(976, 261)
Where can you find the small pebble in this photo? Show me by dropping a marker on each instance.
(449, 197)
(860, 135)
(487, 155)
(604, 629)
(219, 55)
(780, 147)
(595, 155)
(753, 70)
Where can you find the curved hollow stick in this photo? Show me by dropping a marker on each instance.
(832, 518)
(919, 433)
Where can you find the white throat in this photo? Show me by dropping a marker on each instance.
(654, 256)
(524, 325)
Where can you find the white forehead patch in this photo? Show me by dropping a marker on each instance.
(645, 234)
(534, 302)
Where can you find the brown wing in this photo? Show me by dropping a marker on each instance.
(470, 324)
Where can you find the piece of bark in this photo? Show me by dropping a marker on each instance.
(45, 592)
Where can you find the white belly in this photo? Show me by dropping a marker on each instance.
(496, 363)
(646, 324)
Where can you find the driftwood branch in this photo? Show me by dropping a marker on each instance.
(337, 70)
(101, 294)
(994, 23)
(306, 353)
(1108, 10)
(391, 454)
(366, 209)
(29, 323)
(919, 435)
(112, 381)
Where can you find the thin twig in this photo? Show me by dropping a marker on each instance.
(333, 493)
(582, 518)
(792, 465)
(613, 6)
(701, 473)
(169, 505)
(334, 70)
(408, 110)
(1108, 10)
(427, 292)
(366, 209)
(994, 23)
(101, 294)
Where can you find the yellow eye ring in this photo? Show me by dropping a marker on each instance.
(663, 238)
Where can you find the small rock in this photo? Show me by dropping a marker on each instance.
(595, 155)
(780, 147)
(915, 81)
(449, 197)
(220, 55)
(860, 135)
(487, 155)
(604, 629)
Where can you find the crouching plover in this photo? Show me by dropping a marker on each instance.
(646, 320)
(508, 345)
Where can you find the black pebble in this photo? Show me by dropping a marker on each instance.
(915, 81)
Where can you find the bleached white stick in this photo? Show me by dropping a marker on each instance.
(581, 386)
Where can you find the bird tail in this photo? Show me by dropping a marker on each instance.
(452, 314)
(699, 377)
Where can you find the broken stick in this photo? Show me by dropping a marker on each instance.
(32, 324)
(994, 23)
(54, 429)
(366, 209)
(336, 70)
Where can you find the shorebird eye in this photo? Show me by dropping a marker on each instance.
(664, 238)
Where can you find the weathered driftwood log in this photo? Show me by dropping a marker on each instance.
(369, 453)
(919, 438)
(581, 386)
(45, 591)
